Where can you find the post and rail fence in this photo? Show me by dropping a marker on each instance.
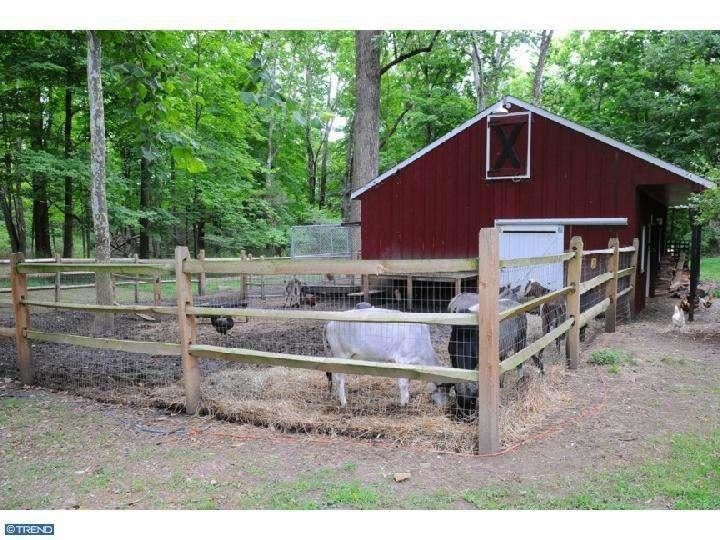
(188, 271)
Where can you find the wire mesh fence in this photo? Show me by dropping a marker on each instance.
(287, 320)
(323, 241)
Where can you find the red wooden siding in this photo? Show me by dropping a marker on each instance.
(435, 206)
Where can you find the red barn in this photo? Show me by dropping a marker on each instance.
(517, 165)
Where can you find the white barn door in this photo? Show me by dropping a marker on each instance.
(520, 241)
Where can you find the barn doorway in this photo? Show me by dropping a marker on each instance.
(522, 240)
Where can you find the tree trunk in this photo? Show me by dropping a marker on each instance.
(104, 323)
(366, 140)
(40, 208)
(477, 71)
(68, 220)
(347, 177)
(144, 247)
(545, 39)
(7, 200)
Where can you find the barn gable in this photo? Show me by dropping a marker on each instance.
(517, 104)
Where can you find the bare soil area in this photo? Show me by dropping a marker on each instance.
(60, 450)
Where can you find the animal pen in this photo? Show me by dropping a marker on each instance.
(235, 338)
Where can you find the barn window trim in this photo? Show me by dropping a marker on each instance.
(525, 176)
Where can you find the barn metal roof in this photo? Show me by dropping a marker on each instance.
(498, 107)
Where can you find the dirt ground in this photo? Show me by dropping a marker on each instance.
(60, 450)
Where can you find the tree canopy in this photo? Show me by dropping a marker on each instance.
(221, 140)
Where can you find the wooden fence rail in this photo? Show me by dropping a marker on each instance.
(487, 318)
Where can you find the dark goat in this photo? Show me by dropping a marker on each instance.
(463, 349)
(552, 313)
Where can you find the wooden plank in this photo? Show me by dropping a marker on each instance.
(626, 272)
(595, 282)
(329, 266)
(166, 310)
(7, 332)
(574, 272)
(624, 292)
(335, 365)
(365, 281)
(531, 261)
(125, 345)
(593, 312)
(633, 275)
(187, 332)
(362, 315)
(488, 372)
(532, 304)
(18, 282)
(409, 293)
(612, 286)
(152, 269)
(628, 249)
(537, 346)
(607, 251)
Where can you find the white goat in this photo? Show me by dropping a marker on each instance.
(401, 343)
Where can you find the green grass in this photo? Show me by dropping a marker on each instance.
(710, 268)
(688, 479)
(53, 444)
(613, 358)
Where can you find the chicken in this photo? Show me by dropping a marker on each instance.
(678, 317)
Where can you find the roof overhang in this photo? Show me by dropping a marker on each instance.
(599, 221)
(500, 107)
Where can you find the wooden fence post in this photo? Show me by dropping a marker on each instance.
(57, 281)
(186, 332)
(488, 403)
(201, 279)
(612, 286)
(157, 290)
(633, 276)
(574, 274)
(243, 278)
(365, 288)
(135, 279)
(18, 282)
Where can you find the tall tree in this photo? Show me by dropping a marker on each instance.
(543, 49)
(366, 123)
(103, 280)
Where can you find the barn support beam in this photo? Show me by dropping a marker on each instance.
(694, 262)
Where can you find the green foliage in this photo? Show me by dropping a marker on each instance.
(243, 134)
(609, 357)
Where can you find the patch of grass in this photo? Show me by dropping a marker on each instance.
(610, 357)
(710, 268)
(351, 494)
(614, 369)
(319, 489)
(673, 361)
(688, 479)
(439, 500)
(350, 466)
